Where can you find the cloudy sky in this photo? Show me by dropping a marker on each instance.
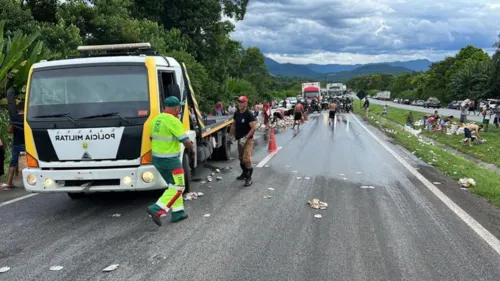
(364, 31)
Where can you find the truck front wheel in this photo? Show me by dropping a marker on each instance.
(187, 172)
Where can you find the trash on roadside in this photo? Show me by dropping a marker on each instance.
(307, 178)
(219, 178)
(217, 170)
(4, 269)
(344, 179)
(206, 215)
(267, 166)
(467, 182)
(203, 182)
(318, 216)
(111, 268)
(436, 182)
(190, 196)
(266, 197)
(212, 174)
(358, 173)
(270, 188)
(298, 178)
(342, 174)
(367, 186)
(56, 268)
(116, 215)
(200, 194)
(295, 171)
(209, 178)
(316, 204)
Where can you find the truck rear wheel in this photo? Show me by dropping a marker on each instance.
(187, 172)
(224, 151)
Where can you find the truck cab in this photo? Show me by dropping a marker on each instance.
(87, 120)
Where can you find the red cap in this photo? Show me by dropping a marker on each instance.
(243, 99)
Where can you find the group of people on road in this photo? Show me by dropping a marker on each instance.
(167, 135)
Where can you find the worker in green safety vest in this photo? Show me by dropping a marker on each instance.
(167, 134)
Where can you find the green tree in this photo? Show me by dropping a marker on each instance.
(17, 17)
(13, 55)
(471, 81)
(43, 10)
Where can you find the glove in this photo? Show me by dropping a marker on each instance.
(243, 140)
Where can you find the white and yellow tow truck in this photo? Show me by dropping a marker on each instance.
(87, 121)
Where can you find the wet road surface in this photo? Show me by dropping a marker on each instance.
(397, 230)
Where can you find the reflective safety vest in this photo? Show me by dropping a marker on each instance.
(167, 134)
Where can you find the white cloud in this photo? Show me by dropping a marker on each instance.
(359, 31)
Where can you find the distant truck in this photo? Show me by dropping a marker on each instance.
(335, 88)
(384, 95)
(311, 90)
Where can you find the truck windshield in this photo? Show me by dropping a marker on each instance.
(90, 90)
(311, 94)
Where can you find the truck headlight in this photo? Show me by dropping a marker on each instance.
(148, 177)
(127, 180)
(31, 179)
(48, 182)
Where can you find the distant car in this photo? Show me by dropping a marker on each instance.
(414, 102)
(432, 102)
(396, 100)
(292, 100)
(406, 101)
(454, 104)
(420, 103)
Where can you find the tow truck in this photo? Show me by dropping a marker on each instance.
(87, 121)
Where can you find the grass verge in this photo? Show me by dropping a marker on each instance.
(488, 152)
(451, 165)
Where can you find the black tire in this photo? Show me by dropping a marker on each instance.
(187, 172)
(76, 195)
(224, 151)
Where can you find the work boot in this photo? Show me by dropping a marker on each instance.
(156, 212)
(178, 216)
(243, 174)
(248, 179)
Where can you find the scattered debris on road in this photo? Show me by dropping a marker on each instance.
(203, 182)
(56, 268)
(295, 171)
(316, 204)
(267, 197)
(209, 178)
(192, 196)
(307, 178)
(344, 179)
(206, 215)
(111, 268)
(298, 178)
(368, 186)
(358, 173)
(217, 170)
(467, 182)
(219, 178)
(270, 188)
(116, 215)
(4, 269)
(436, 182)
(267, 166)
(318, 216)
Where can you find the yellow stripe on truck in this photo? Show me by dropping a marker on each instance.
(186, 118)
(28, 134)
(153, 103)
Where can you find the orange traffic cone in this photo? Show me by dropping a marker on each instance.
(272, 142)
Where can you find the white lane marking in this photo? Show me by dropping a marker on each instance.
(267, 158)
(347, 125)
(17, 199)
(489, 238)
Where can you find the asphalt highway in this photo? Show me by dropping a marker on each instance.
(381, 223)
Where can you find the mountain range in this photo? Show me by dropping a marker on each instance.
(342, 72)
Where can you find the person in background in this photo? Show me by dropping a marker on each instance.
(468, 132)
(409, 120)
(496, 121)
(463, 113)
(243, 130)
(366, 106)
(232, 109)
(486, 117)
(384, 111)
(219, 109)
(16, 127)
(472, 107)
(436, 115)
(444, 122)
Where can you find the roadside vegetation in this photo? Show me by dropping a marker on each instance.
(451, 165)
(488, 152)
